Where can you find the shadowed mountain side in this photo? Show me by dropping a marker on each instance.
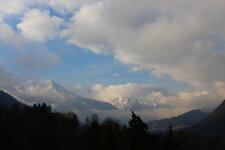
(213, 125)
(179, 122)
(8, 100)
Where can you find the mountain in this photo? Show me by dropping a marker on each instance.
(213, 125)
(179, 122)
(60, 98)
(8, 100)
(136, 103)
(128, 104)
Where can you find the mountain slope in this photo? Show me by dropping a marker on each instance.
(213, 125)
(179, 122)
(7, 100)
(59, 98)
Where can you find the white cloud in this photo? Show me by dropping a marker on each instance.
(39, 26)
(160, 103)
(136, 69)
(124, 95)
(11, 6)
(67, 6)
(8, 7)
(124, 90)
(36, 25)
(39, 57)
(16, 7)
(177, 39)
(9, 37)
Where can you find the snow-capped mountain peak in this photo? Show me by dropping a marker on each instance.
(47, 86)
(139, 102)
(59, 98)
(45, 90)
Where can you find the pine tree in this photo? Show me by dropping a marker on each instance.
(138, 133)
(137, 125)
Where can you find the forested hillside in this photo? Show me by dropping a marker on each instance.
(39, 128)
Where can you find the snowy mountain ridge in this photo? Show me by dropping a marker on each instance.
(139, 103)
(59, 98)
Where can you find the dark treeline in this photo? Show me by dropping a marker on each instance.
(39, 128)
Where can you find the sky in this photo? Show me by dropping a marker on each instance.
(95, 47)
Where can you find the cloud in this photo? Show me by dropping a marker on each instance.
(124, 90)
(136, 69)
(16, 7)
(160, 103)
(42, 61)
(182, 40)
(124, 95)
(26, 49)
(206, 100)
(37, 58)
(37, 25)
(9, 37)
(7, 80)
(11, 6)
(67, 6)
